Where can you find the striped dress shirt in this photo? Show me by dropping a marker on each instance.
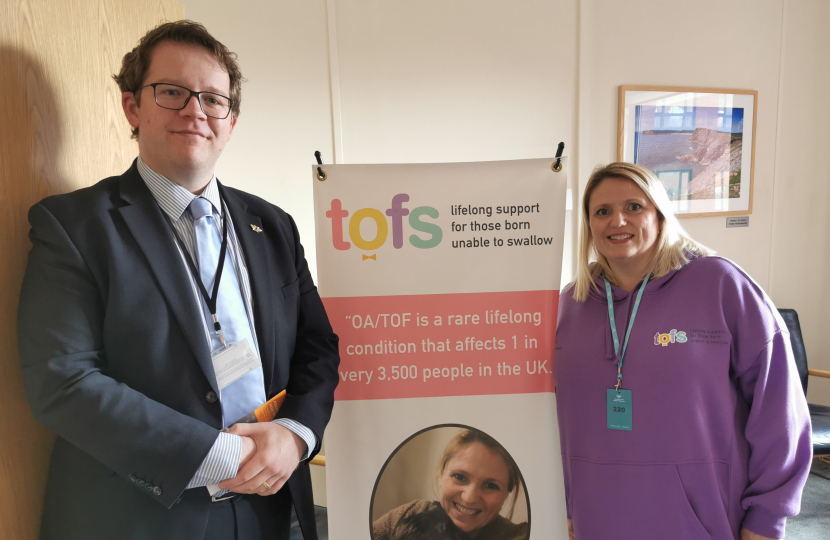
(222, 462)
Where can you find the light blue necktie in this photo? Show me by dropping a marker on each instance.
(247, 393)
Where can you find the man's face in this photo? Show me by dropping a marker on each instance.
(183, 145)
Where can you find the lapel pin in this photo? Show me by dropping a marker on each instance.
(255, 228)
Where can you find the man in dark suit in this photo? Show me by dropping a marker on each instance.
(134, 358)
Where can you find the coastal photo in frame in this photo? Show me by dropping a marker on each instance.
(699, 142)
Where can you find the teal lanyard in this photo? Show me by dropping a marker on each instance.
(617, 352)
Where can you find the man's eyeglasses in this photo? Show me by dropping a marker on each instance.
(176, 98)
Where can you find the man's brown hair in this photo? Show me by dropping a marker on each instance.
(136, 63)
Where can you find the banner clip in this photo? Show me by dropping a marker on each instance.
(556, 166)
(321, 174)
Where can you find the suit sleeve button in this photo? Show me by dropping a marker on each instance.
(148, 486)
(132, 478)
(140, 483)
(211, 397)
(157, 491)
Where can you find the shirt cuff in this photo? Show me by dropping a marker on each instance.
(303, 432)
(221, 463)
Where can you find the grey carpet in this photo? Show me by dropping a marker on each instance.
(321, 516)
(813, 523)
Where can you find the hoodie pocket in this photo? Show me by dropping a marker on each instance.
(623, 500)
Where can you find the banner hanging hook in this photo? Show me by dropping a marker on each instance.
(321, 174)
(558, 165)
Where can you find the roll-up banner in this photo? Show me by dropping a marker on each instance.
(442, 282)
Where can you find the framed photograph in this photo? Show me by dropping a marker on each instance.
(700, 142)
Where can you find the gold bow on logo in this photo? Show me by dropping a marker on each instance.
(374, 257)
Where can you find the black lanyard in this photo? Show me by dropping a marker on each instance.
(209, 300)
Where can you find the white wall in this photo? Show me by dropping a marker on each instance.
(800, 253)
(439, 81)
(374, 81)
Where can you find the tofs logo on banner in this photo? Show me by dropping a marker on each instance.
(442, 282)
(396, 212)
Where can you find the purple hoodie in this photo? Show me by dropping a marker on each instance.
(721, 430)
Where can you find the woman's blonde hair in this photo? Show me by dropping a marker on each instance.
(674, 245)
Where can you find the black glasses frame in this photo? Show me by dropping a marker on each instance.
(192, 93)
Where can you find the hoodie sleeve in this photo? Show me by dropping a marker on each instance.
(778, 424)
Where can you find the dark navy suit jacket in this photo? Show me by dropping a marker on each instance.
(115, 359)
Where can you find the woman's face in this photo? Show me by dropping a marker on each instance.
(474, 486)
(624, 223)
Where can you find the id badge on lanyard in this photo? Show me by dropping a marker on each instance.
(233, 361)
(618, 401)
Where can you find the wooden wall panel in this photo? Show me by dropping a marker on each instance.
(61, 128)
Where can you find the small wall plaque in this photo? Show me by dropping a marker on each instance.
(739, 221)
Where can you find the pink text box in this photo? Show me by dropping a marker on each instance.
(488, 343)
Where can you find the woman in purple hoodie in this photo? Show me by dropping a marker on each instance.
(681, 414)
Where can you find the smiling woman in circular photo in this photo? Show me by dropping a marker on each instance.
(450, 483)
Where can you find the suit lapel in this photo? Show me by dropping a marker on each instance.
(148, 226)
(256, 249)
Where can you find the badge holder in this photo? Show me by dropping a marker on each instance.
(619, 408)
(232, 362)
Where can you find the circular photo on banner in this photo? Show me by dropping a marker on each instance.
(450, 482)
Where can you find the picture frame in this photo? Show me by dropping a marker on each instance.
(700, 142)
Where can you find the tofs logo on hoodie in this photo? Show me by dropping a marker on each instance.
(672, 337)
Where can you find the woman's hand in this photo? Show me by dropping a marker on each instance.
(746, 534)
(572, 537)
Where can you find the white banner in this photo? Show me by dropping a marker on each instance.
(442, 282)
